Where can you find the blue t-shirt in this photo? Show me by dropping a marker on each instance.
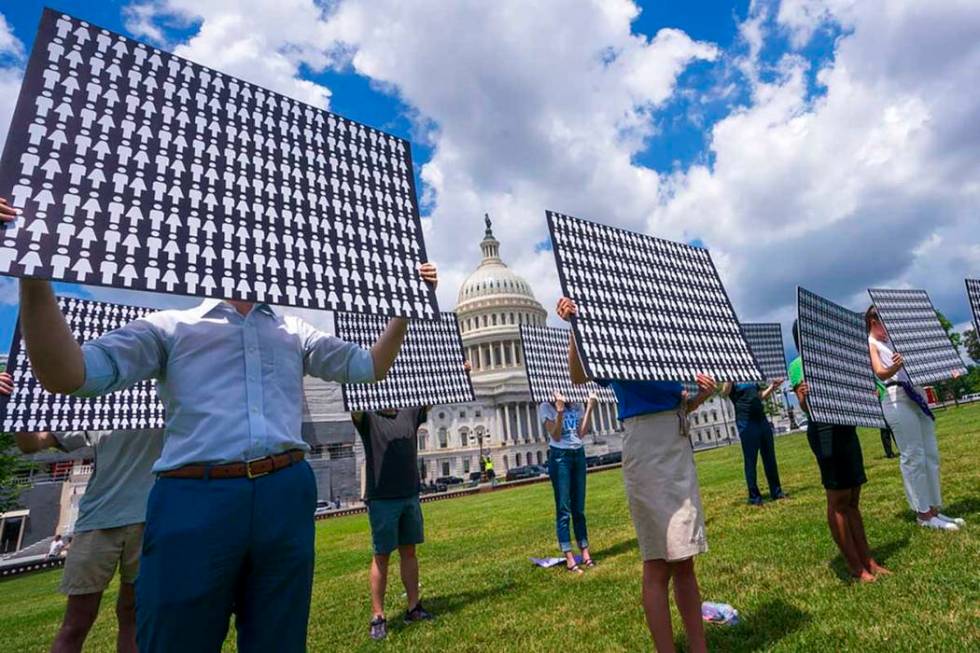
(571, 419)
(644, 397)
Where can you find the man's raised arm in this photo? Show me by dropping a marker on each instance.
(54, 353)
(56, 357)
(385, 349)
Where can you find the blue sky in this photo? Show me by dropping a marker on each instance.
(786, 136)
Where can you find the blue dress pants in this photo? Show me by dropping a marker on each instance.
(217, 547)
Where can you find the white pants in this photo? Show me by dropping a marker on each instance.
(915, 434)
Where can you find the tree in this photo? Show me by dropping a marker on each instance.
(972, 344)
(948, 327)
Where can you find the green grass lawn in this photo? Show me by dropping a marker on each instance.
(776, 564)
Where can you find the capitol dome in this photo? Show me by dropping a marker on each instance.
(493, 303)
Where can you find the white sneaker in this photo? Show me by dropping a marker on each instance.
(938, 524)
(953, 520)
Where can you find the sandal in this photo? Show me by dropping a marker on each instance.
(575, 569)
(589, 563)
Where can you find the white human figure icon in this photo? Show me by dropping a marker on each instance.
(152, 274)
(8, 254)
(60, 262)
(108, 268)
(36, 132)
(29, 160)
(30, 262)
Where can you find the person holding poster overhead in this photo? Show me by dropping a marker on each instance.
(566, 424)
(842, 475)
(907, 413)
(662, 492)
(755, 434)
(229, 521)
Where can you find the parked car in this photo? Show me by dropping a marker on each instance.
(431, 488)
(591, 461)
(449, 480)
(322, 508)
(519, 473)
(611, 458)
(476, 476)
(541, 470)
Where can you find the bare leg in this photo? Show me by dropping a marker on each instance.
(687, 596)
(410, 573)
(838, 507)
(80, 614)
(856, 523)
(379, 583)
(586, 556)
(126, 615)
(656, 605)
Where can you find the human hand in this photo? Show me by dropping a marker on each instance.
(706, 384)
(429, 274)
(559, 400)
(803, 389)
(566, 309)
(7, 212)
(897, 361)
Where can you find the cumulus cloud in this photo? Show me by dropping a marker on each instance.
(526, 112)
(870, 182)
(274, 44)
(11, 63)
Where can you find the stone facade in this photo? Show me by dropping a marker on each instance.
(492, 304)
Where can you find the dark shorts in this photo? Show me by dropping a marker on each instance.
(838, 453)
(394, 523)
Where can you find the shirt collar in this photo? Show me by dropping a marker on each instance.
(209, 305)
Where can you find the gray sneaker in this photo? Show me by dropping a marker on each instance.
(418, 613)
(379, 628)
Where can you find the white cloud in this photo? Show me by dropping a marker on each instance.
(268, 43)
(871, 183)
(11, 55)
(528, 112)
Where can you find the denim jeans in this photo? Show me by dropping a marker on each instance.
(757, 438)
(567, 470)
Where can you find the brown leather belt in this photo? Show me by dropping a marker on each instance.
(248, 469)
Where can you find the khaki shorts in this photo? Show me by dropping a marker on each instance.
(662, 487)
(93, 556)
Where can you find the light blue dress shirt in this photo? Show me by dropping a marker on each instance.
(232, 385)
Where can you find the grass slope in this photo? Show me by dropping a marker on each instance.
(776, 564)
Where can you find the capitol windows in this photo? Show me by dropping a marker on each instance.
(464, 437)
(443, 438)
(494, 318)
(486, 321)
(517, 459)
(733, 432)
(466, 465)
(540, 458)
(423, 439)
(512, 320)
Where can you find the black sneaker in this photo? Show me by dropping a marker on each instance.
(379, 628)
(418, 613)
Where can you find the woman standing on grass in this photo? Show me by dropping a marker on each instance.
(914, 426)
(662, 492)
(566, 424)
(838, 453)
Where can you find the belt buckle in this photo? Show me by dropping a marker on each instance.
(248, 468)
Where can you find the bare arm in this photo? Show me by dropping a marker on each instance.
(772, 388)
(554, 426)
(34, 441)
(386, 348)
(706, 387)
(566, 309)
(586, 424)
(55, 355)
(884, 372)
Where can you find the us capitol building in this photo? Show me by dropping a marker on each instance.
(492, 304)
